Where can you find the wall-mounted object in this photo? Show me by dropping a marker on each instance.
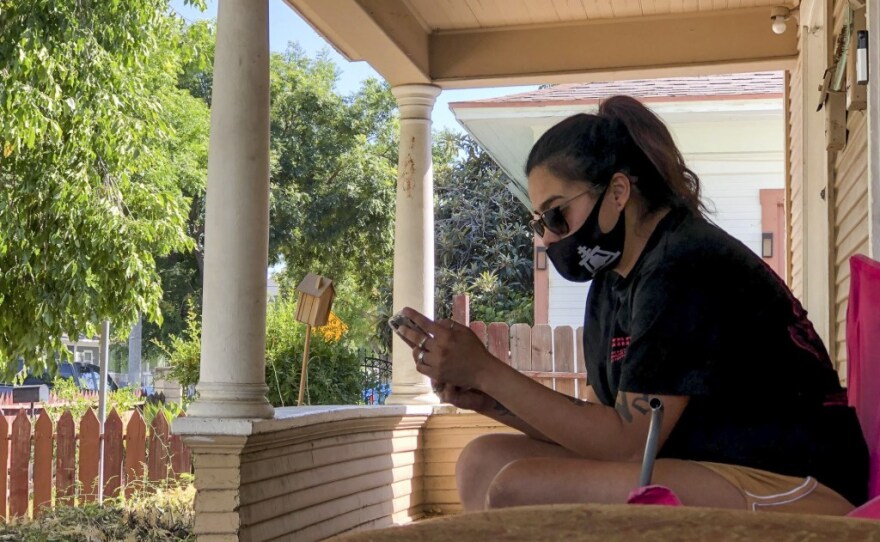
(856, 92)
(779, 17)
(835, 121)
(862, 57)
(540, 258)
(767, 245)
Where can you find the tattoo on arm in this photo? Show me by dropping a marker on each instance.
(640, 404)
(502, 410)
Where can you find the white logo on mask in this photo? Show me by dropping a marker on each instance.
(594, 259)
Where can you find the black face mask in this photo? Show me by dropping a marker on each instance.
(586, 252)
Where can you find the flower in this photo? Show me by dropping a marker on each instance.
(334, 329)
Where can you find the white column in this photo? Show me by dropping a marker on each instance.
(413, 234)
(816, 242)
(232, 380)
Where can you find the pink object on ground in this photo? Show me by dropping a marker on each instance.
(653, 495)
(869, 510)
(863, 358)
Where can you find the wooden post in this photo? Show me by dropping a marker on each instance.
(499, 341)
(461, 312)
(113, 452)
(43, 438)
(563, 355)
(581, 365)
(18, 466)
(181, 459)
(135, 452)
(4, 461)
(542, 352)
(158, 459)
(304, 375)
(89, 448)
(65, 460)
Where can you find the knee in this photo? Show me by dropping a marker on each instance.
(480, 456)
(512, 486)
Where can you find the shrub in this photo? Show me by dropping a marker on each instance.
(334, 364)
(164, 513)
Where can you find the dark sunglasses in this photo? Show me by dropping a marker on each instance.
(553, 219)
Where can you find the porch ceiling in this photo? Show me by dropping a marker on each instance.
(467, 43)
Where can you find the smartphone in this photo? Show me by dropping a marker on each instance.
(399, 320)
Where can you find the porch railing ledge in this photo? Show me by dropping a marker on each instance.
(293, 417)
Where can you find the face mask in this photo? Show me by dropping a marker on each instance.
(589, 250)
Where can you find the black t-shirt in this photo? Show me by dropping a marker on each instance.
(701, 315)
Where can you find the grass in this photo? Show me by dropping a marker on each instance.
(160, 515)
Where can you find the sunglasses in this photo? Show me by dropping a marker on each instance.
(553, 219)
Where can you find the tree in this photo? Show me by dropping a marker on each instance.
(333, 181)
(483, 244)
(334, 169)
(89, 193)
(181, 272)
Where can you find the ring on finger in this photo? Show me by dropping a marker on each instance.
(422, 342)
(421, 357)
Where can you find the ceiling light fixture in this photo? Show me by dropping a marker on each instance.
(779, 16)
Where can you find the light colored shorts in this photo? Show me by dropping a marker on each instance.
(770, 492)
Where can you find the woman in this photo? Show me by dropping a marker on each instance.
(755, 417)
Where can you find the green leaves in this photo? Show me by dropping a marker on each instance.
(89, 191)
(483, 246)
(334, 169)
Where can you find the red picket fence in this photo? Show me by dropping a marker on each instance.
(60, 457)
(552, 356)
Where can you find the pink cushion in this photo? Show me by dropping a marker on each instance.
(869, 510)
(653, 495)
(863, 356)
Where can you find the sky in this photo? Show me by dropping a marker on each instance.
(285, 25)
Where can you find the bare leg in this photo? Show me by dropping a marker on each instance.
(567, 480)
(484, 457)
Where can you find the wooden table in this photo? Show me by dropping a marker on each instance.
(624, 523)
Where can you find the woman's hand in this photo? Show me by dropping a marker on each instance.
(451, 353)
(468, 399)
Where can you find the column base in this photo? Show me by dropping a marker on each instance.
(412, 395)
(217, 464)
(224, 400)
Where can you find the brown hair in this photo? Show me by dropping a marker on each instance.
(624, 136)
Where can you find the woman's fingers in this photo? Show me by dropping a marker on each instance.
(412, 337)
(423, 321)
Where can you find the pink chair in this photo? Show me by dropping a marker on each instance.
(863, 366)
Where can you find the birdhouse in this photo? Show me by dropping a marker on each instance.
(315, 298)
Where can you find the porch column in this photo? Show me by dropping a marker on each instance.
(815, 243)
(413, 234)
(232, 381)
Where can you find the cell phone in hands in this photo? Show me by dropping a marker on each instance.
(401, 320)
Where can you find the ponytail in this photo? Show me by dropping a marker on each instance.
(624, 136)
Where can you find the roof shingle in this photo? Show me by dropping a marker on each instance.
(739, 85)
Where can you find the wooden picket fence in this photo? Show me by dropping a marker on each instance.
(554, 356)
(61, 458)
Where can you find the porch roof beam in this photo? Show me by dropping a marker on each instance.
(383, 33)
(613, 49)
(394, 40)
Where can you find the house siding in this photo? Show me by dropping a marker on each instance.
(848, 207)
(796, 180)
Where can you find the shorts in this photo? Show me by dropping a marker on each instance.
(766, 491)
